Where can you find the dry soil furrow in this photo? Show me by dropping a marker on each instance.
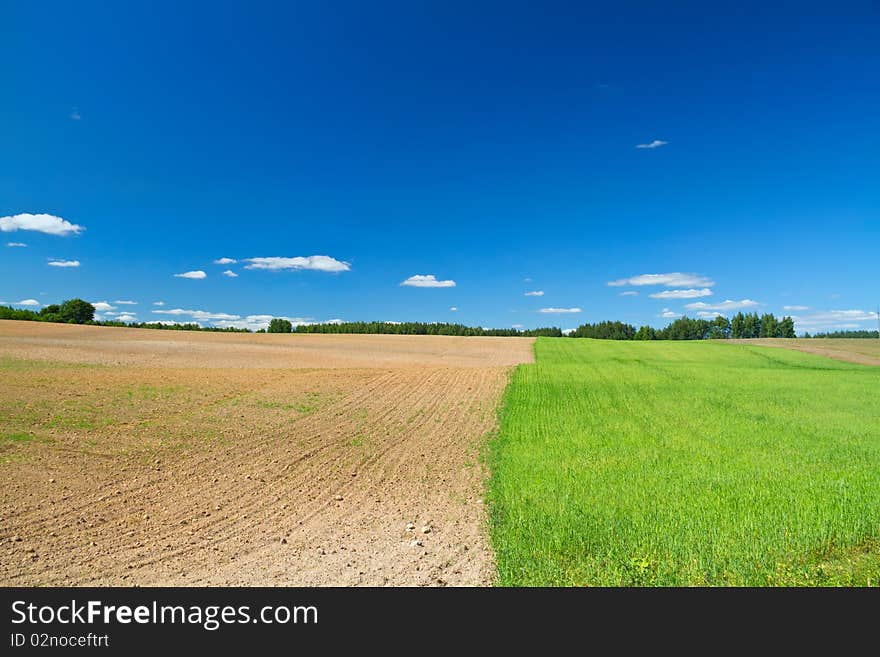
(146, 553)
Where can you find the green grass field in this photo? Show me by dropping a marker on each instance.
(686, 463)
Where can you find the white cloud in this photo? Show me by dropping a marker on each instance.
(835, 319)
(314, 262)
(335, 321)
(428, 280)
(257, 322)
(517, 326)
(796, 308)
(74, 114)
(453, 308)
(527, 279)
(708, 314)
(536, 293)
(198, 314)
(723, 306)
(682, 294)
(158, 303)
(669, 314)
(657, 143)
(64, 263)
(230, 273)
(26, 302)
(126, 303)
(629, 293)
(567, 331)
(560, 310)
(102, 306)
(672, 279)
(20, 245)
(225, 261)
(126, 317)
(198, 274)
(42, 223)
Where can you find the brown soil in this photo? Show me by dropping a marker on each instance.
(124, 346)
(861, 351)
(208, 475)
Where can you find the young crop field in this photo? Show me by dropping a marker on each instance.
(686, 463)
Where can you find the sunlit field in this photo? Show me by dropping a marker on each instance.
(686, 463)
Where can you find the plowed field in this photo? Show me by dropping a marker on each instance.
(136, 457)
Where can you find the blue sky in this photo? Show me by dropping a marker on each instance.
(490, 145)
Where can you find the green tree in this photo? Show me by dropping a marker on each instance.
(785, 329)
(719, 328)
(769, 324)
(278, 325)
(737, 326)
(646, 333)
(751, 325)
(76, 311)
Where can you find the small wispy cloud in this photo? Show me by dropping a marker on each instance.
(669, 314)
(453, 308)
(672, 279)
(229, 273)
(426, 280)
(198, 274)
(527, 279)
(314, 263)
(724, 305)
(535, 293)
(691, 293)
(41, 223)
(64, 263)
(708, 314)
(560, 311)
(257, 322)
(796, 308)
(126, 317)
(629, 293)
(158, 303)
(102, 306)
(225, 261)
(23, 302)
(835, 320)
(516, 326)
(198, 314)
(657, 143)
(74, 114)
(126, 303)
(19, 245)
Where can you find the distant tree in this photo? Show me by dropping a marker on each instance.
(685, 328)
(605, 331)
(719, 328)
(751, 325)
(278, 325)
(769, 324)
(785, 329)
(646, 333)
(51, 309)
(737, 326)
(844, 334)
(76, 311)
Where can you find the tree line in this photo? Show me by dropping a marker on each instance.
(741, 325)
(412, 328)
(845, 334)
